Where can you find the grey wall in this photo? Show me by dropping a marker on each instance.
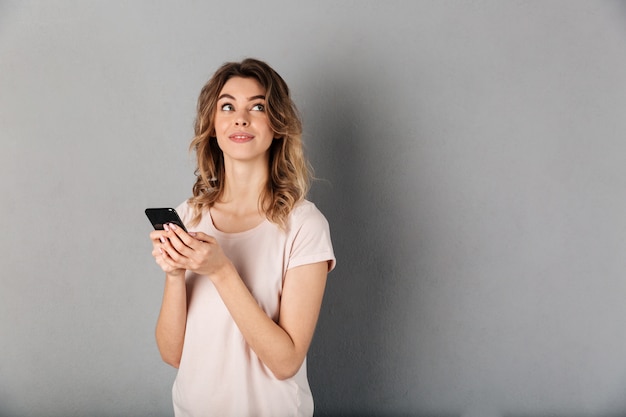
(471, 158)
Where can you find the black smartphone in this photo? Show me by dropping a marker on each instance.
(160, 216)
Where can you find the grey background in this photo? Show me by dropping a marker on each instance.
(471, 162)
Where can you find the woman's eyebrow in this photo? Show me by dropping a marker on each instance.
(228, 96)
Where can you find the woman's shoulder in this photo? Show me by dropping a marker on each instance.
(305, 208)
(185, 211)
(306, 212)
(309, 233)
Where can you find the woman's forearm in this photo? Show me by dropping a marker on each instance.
(269, 341)
(281, 348)
(170, 329)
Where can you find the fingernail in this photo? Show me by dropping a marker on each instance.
(162, 239)
(161, 250)
(166, 227)
(192, 234)
(173, 226)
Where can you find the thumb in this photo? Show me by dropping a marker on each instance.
(203, 237)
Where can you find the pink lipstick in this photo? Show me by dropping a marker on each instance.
(241, 137)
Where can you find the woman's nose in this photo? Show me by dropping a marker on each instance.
(241, 120)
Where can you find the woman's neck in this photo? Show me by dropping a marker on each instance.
(240, 206)
(244, 185)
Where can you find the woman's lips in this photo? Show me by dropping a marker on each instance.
(241, 137)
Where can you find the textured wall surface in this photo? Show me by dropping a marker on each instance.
(471, 159)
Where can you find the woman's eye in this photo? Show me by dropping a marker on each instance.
(258, 107)
(227, 107)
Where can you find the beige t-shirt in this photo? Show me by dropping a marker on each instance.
(219, 375)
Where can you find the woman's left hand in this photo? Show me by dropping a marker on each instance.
(194, 251)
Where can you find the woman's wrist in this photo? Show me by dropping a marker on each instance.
(175, 275)
(225, 272)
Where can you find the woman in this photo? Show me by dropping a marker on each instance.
(243, 290)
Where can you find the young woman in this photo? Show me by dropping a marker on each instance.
(243, 290)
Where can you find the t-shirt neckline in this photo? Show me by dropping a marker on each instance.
(235, 235)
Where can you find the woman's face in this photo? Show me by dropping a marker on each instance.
(241, 124)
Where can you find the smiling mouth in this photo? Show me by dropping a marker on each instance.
(241, 137)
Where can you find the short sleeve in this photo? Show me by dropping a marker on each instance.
(311, 238)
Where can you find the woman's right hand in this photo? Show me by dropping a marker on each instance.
(157, 237)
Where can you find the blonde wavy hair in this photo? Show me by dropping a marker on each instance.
(289, 172)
